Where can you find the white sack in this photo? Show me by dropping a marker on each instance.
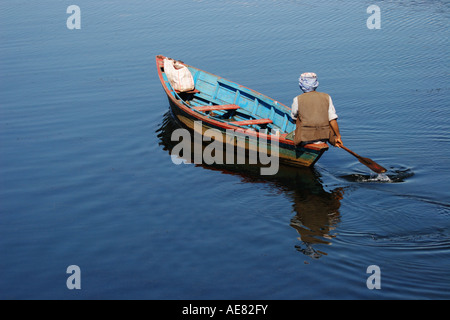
(179, 76)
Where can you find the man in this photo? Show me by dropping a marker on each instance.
(315, 115)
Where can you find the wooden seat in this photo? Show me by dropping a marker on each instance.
(190, 91)
(316, 146)
(217, 107)
(251, 122)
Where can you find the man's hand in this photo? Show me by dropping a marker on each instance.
(334, 125)
(338, 142)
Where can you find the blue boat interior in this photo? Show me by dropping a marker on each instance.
(229, 102)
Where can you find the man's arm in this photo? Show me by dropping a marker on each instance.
(332, 116)
(334, 125)
(294, 109)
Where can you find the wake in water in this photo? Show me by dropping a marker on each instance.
(392, 176)
(381, 178)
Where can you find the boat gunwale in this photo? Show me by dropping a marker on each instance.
(223, 124)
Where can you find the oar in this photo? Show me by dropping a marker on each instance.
(366, 161)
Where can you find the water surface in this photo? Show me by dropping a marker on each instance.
(86, 176)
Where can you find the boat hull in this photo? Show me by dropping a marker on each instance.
(288, 153)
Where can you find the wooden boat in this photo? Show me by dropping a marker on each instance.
(224, 105)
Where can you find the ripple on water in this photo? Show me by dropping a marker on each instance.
(394, 175)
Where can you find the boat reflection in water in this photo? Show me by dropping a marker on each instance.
(316, 210)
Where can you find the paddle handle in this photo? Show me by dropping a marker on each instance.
(350, 151)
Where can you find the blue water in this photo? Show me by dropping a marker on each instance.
(86, 176)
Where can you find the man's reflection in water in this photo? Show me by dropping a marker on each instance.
(316, 210)
(317, 215)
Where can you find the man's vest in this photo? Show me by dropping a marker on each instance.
(312, 120)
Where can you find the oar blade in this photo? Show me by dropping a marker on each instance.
(372, 165)
(366, 161)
